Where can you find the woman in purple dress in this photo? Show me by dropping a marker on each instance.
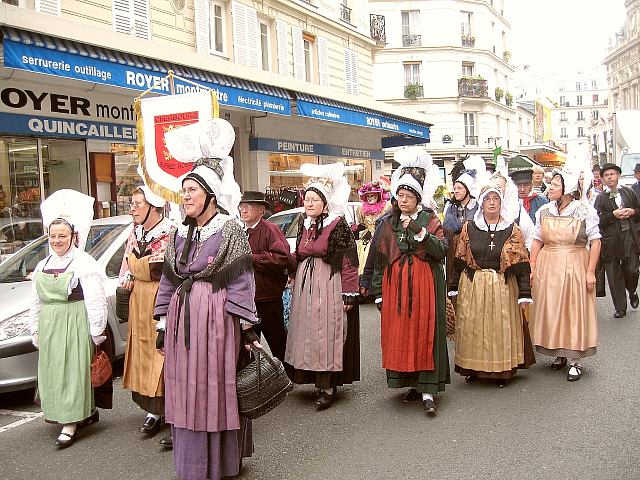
(206, 308)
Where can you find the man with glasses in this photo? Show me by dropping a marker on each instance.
(529, 199)
(272, 262)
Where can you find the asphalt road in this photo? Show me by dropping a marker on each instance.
(539, 427)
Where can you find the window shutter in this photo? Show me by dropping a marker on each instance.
(282, 32)
(141, 25)
(351, 71)
(202, 26)
(298, 53)
(245, 34)
(122, 16)
(52, 7)
(323, 61)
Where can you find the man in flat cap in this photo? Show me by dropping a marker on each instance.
(272, 261)
(530, 200)
(619, 210)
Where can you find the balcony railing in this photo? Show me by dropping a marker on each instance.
(345, 13)
(471, 140)
(468, 41)
(413, 90)
(377, 27)
(472, 87)
(411, 40)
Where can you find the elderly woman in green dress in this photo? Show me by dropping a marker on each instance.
(68, 314)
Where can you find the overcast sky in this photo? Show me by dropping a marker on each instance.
(563, 35)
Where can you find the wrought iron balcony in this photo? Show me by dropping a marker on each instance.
(468, 41)
(472, 87)
(345, 13)
(377, 27)
(411, 40)
(471, 140)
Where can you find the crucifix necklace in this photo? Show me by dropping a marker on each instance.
(491, 235)
(401, 237)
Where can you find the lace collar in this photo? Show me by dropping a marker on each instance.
(328, 220)
(482, 224)
(576, 209)
(161, 229)
(210, 229)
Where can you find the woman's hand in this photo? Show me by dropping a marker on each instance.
(346, 308)
(249, 338)
(591, 280)
(127, 284)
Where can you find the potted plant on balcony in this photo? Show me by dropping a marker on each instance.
(499, 93)
(506, 56)
(412, 90)
(508, 99)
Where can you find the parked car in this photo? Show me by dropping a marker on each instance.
(16, 232)
(287, 221)
(18, 357)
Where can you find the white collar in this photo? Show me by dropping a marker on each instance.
(248, 227)
(325, 221)
(210, 229)
(482, 224)
(607, 189)
(162, 228)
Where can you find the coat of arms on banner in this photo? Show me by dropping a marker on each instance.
(157, 115)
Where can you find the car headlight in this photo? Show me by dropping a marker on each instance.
(14, 326)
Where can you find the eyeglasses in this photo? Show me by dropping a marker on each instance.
(312, 201)
(188, 191)
(245, 206)
(406, 196)
(135, 205)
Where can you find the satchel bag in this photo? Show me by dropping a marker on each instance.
(122, 304)
(262, 385)
(100, 368)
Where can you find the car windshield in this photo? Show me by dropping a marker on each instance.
(628, 162)
(19, 267)
(287, 223)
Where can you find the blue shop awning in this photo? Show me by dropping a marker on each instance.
(45, 54)
(339, 112)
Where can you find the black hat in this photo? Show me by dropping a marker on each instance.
(255, 197)
(522, 176)
(636, 168)
(610, 166)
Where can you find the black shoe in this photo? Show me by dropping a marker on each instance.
(470, 378)
(151, 426)
(411, 396)
(501, 383)
(429, 406)
(66, 440)
(559, 365)
(167, 442)
(325, 399)
(576, 377)
(94, 418)
(634, 300)
(619, 313)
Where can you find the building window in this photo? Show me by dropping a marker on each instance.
(578, 86)
(594, 84)
(561, 87)
(413, 80)
(265, 46)
(579, 100)
(580, 131)
(465, 25)
(595, 98)
(563, 132)
(468, 69)
(562, 100)
(563, 116)
(410, 28)
(471, 137)
(308, 57)
(595, 114)
(580, 115)
(216, 27)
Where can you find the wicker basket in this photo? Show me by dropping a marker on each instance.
(262, 385)
(122, 304)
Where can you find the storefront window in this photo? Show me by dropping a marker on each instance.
(358, 173)
(127, 178)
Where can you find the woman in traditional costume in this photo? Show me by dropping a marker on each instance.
(564, 257)
(491, 282)
(408, 282)
(206, 309)
(140, 273)
(323, 341)
(68, 314)
(375, 202)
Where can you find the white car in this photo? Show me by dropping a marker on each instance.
(18, 357)
(288, 220)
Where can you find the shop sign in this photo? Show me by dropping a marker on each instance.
(319, 149)
(63, 64)
(33, 125)
(28, 98)
(351, 117)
